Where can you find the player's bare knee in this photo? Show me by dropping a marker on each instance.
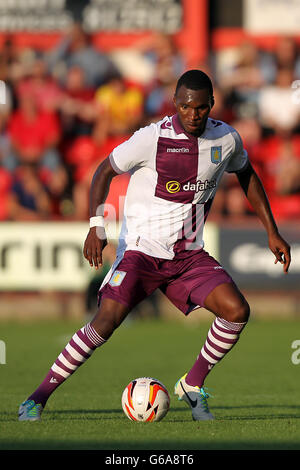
(240, 313)
(237, 312)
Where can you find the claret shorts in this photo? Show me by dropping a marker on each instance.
(138, 275)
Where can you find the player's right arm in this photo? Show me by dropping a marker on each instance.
(96, 238)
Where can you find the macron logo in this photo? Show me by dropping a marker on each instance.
(178, 150)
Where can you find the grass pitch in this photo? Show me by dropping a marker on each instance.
(255, 387)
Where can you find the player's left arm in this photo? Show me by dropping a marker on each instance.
(256, 195)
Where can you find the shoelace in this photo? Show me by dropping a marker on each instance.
(204, 395)
(33, 408)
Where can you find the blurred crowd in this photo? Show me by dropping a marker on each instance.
(67, 108)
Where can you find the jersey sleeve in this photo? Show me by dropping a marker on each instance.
(239, 158)
(136, 151)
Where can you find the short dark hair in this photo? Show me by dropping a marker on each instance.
(195, 80)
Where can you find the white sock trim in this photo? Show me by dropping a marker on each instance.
(92, 335)
(230, 325)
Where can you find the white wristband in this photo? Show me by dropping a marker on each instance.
(97, 221)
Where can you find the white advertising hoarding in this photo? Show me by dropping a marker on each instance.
(48, 256)
(272, 16)
(44, 256)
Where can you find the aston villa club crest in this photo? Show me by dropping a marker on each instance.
(117, 278)
(216, 154)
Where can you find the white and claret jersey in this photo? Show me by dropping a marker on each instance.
(174, 178)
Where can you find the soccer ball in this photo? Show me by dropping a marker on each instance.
(145, 399)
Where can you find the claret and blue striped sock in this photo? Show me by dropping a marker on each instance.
(77, 351)
(221, 338)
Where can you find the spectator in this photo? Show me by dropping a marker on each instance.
(154, 58)
(285, 55)
(279, 168)
(220, 110)
(168, 64)
(40, 85)
(121, 106)
(34, 135)
(159, 101)
(9, 51)
(76, 49)
(30, 200)
(161, 51)
(242, 82)
(277, 111)
(77, 107)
